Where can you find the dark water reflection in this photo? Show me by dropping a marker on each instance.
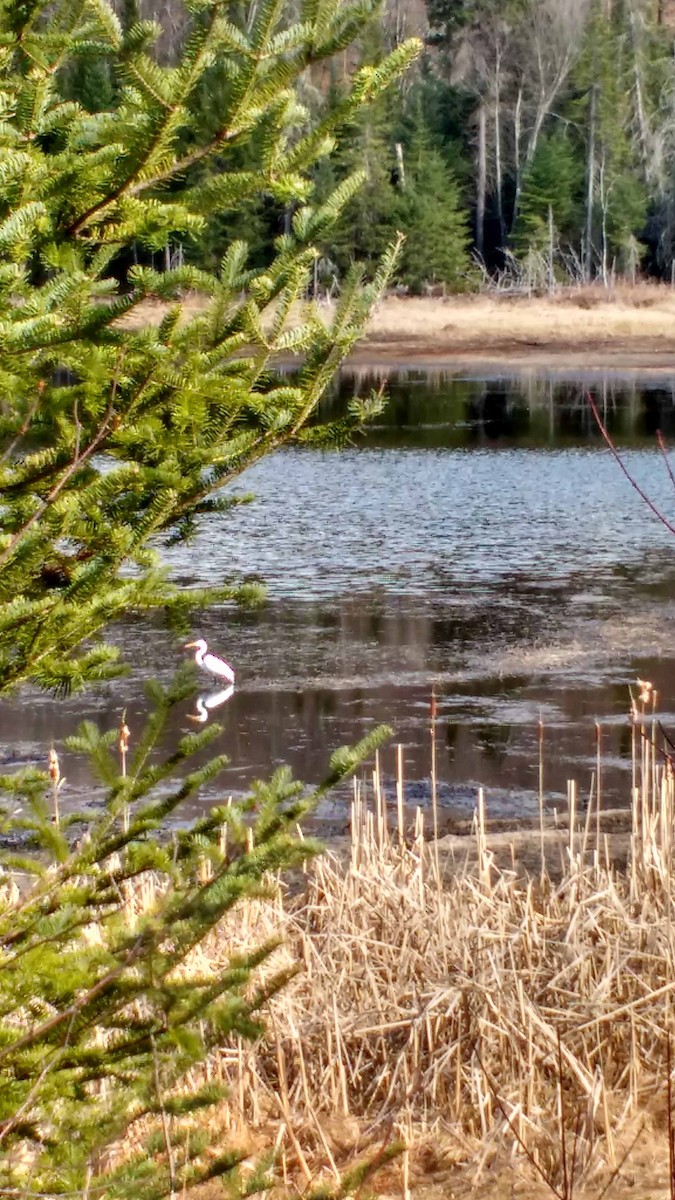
(481, 541)
(434, 410)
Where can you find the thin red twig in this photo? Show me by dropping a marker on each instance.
(633, 482)
(664, 450)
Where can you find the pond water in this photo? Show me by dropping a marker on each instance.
(481, 541)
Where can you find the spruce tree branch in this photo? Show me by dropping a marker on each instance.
(51, 907)
(35, 1035)
(226, 133)
(7, 453)
(78, 428)
(189, 160)
(165, 1123)
(58, 487)
(67, 475)
(28, 28)
(27, 1194)
(265, 445)
(125, 186)
(14, 1120)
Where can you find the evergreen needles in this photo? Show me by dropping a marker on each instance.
(116, 438)
(106, 997)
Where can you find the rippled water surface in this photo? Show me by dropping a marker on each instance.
(482, 541)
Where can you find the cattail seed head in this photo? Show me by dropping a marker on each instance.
(124, 734)
(54, 768)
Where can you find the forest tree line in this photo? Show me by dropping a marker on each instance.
(534, 142)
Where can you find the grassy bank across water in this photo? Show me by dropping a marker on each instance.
(627, 328)
(593, 328)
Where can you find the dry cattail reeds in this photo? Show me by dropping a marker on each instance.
(514, 1019)
(521, 1018)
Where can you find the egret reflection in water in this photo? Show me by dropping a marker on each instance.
(205, 705)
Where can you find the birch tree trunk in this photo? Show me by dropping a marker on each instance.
(639, 102)
(482, 179)
(498, 151)
(517, 134)
(590, 185)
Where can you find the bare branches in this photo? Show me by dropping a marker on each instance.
(633, 482)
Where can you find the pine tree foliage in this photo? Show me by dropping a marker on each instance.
(106, 1003)
(370, 221)
(552, 195)
(432, 218)
(119, 432)
(606, 71)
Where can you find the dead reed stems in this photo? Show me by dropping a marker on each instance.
(527, 1021)
(530, 1019)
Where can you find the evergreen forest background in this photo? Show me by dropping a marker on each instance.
(534, 142)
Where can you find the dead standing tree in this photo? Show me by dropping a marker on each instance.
(515, 58)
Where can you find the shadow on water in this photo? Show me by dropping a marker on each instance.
(480, 540)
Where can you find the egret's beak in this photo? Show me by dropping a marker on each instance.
(190, 646)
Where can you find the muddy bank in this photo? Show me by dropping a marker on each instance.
(592, 358)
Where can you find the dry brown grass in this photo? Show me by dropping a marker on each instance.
(626, 320)
(625, 325)
(513, 1032)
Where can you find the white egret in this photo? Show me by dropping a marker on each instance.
(209, 662)
(206, 704)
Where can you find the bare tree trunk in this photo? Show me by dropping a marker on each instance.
(603, 210)
(498, 151)
(639, 103)
(400, 164)
(590, 185)
(551, 252)
(517, 121)
(549, 90)
(544, 106)
(482, 180)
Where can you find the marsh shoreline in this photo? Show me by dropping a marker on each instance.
(593, 329)
(590, 330)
